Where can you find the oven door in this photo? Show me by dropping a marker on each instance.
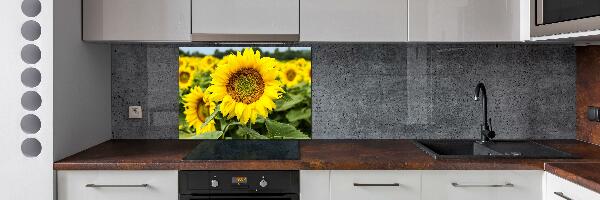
(240, 197)
(551, 17)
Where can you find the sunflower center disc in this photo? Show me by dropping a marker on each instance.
(202, 111)
(184, 77)
(246, 85)
(291, 74)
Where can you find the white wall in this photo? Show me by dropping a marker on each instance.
(21, 177)
(82, 109)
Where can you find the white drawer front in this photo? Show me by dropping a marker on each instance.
(314, 184)
(567, 189)
(162, 185)
(482, 185)
(343, 188)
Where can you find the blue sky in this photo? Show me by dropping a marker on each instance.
(211, 50)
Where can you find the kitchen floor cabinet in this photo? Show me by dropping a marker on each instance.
(560, 189)
(421, 185)
(117, 185)
(482, 184)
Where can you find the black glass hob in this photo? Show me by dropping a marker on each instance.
(245, 150)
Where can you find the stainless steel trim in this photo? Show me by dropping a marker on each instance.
(115, 186)
(212, 37)
(376, 184)
(492, 185)
(539, 12)
(560, 194)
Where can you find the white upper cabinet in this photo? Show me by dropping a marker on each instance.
(136, 20)
(468, 20)
(245, 20)
(354, 20)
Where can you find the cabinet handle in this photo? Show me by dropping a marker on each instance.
(115, 186)
(562, 195)
(493, 185)
(376, 184)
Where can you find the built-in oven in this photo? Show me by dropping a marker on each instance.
(237, 185)
(552, 17)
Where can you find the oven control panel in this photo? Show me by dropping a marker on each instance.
(228, 182)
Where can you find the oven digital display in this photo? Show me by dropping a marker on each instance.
(239, 180)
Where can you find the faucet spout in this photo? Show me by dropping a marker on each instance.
(486, 133)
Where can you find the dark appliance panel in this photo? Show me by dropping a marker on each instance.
(232, 185)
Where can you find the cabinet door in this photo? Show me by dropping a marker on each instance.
(478, 185)
(245, 20)
(117, 185)
(560, 189)
(468, 20)
(354, 20)
(314, 185)
(375, 185)
(136, 20)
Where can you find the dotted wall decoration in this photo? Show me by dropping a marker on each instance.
(31, 77)
(31, 100)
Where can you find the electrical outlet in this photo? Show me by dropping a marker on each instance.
(135, 112)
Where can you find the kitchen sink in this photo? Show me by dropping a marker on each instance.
(471, 149)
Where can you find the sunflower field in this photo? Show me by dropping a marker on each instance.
(245, 94)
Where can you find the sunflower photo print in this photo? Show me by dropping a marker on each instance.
(245, 93)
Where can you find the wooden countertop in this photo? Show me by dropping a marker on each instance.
(314, 155)
(331, 155)
(584, 174)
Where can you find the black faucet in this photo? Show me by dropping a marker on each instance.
(487, 134)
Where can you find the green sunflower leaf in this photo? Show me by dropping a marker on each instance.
(249, 133)
(211, 117)
(298, 114)
(289, 102)
(279, 130)
(209, 135)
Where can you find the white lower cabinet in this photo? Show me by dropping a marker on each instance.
(560, 189)
(314, 184)
(482, 185)
(375, 185)
(117, 185)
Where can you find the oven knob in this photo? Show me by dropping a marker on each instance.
(263, 183)
(214, 183)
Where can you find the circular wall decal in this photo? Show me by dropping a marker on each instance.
(31, 8)
(31, 30)
(30, 124)
(31, 77)
(31, 100)
(31, 54)
(31, 147)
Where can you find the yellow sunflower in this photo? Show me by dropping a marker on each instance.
(185, 77)
(246, 86)
(290, 74)
(183, 60)
(301, 62)
(197, 109)
(193, 64)
(209, 63)
(225, 60)
(307, 73)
